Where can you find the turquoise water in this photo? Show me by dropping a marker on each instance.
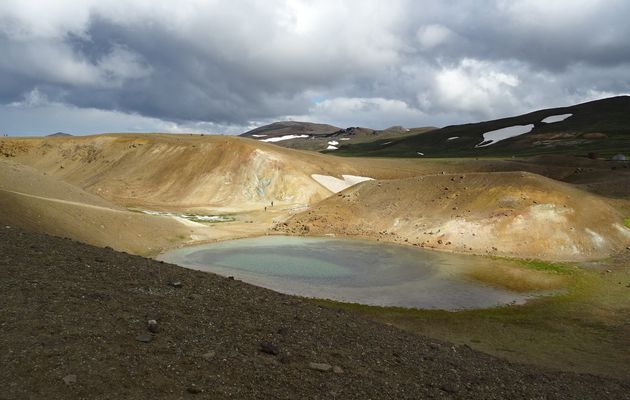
(350, 271)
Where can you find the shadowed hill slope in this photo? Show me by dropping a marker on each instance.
(32, 200)
(283, 128)
(598, 126)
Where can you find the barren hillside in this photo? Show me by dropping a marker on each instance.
(82, 187)
(513, 214)
(33, 200)
(175, 171)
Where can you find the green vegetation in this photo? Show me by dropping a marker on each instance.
(626, 222)
(580, 329)
(178, 238)
(209, 219)
(201, 218)
(549, 267)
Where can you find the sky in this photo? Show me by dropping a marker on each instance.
(228, 66)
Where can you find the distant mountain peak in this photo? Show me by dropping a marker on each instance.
(57, 134)
(282, 128)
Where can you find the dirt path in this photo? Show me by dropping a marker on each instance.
(60, 201)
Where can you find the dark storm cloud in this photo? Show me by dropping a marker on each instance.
(210, 65)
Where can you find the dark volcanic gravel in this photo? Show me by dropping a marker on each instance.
(74, 323)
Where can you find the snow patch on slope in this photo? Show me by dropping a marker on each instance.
(495, 136)
(556, 118)
(285, 137)
(332, 145)
(336, 185)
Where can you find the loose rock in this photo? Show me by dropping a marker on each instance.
(269, 348)
(144, 338)
(323, 367)
(153, 326)
(450, 388)
(70, 379)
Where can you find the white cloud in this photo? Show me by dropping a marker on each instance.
(476, 86)
(32, 99)
(44, 19)
(433, 35)
(121, 64)
(376, 112)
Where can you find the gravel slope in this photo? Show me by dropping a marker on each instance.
(72, 316)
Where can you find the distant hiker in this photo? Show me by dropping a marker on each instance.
(265, 208)
(272, 203)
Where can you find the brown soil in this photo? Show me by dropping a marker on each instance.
(72, 315)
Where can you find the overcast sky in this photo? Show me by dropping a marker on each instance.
(226, 66)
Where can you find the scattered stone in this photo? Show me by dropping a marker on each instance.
(269, 361)
(609, 271)
(269, 348)
(195, 296)
(450, 388)
(283, 331)
(153, 326)
(337, 370)
(144, 338)
(70, 379)
(209, 356)
(194, 390)
(175, 284)
(323, 367)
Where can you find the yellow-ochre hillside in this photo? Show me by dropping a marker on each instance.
(85, 187)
